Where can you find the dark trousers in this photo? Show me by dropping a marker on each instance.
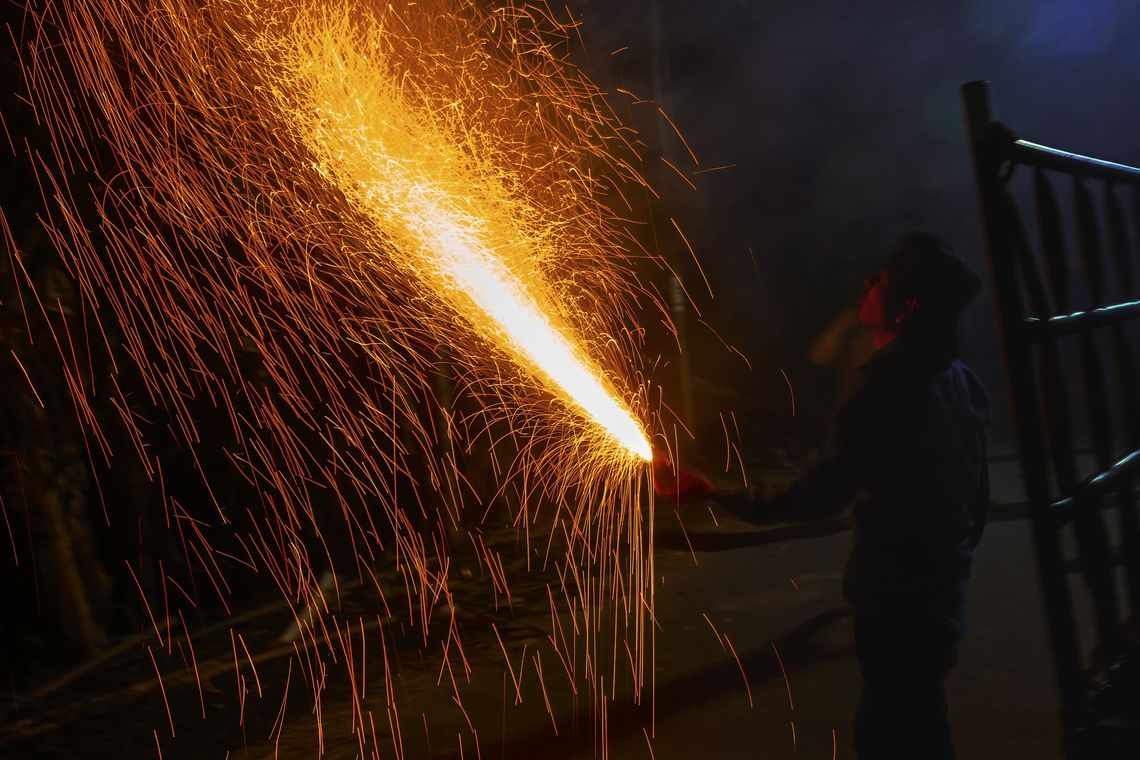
(902, 711)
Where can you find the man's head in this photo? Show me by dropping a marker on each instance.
(921, 289)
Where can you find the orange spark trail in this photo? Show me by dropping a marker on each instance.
(354, 283)
(408, 171)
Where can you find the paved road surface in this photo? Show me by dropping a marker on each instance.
(721, 689)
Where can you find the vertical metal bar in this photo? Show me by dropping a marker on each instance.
(1058, 420)
(1096, 554)
(1052, 240)
(988, 157)
(1118, 242)
(1128, 391)
(1056, 408)
(1136, 214)
(1089, 241)
(1055, 405)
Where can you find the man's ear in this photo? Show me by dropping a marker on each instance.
(907, 309)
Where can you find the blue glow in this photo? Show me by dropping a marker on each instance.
(1065, 28)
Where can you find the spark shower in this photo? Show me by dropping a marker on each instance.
(382, 243)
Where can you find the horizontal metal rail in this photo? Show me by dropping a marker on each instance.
(1039, 330)
(1098, 485)
(1032, 154)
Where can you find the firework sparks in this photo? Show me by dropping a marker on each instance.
(342, 249)
(434, 198)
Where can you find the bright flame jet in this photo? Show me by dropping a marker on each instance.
(402, 166)
(456, 250)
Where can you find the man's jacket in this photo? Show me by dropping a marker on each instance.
(908, 453)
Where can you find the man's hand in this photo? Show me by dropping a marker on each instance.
(671, 483)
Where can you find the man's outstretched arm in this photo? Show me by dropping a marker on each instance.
(823, 489)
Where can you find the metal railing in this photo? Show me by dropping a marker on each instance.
(1043, 331)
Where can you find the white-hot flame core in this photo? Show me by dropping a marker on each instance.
(451, 217)
(451, 245)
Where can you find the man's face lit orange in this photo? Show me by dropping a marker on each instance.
(872, 304)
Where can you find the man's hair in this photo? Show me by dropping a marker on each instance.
(924, 268)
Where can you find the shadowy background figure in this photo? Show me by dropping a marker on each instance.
(907, 451)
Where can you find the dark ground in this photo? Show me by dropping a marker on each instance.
(744, 591)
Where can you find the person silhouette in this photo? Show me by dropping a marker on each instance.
(907, 454)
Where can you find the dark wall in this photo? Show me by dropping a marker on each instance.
(844, 123)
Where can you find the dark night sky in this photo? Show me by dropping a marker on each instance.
(845, 125)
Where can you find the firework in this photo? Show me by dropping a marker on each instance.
(441, 205)
(378, 241)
